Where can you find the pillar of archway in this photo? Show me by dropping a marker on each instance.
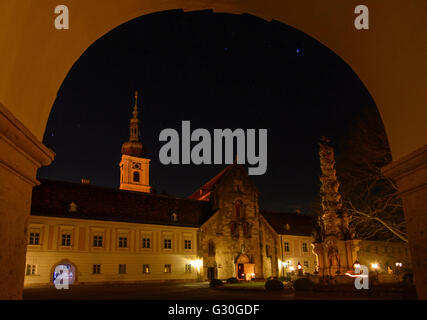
(410, 174)
(20, 157)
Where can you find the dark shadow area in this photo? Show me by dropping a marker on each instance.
(218, 71)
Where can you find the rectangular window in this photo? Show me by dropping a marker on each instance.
(286, 247)
(267, 251)
(168, 268)
(188, 268)
(122, 268)
(306, 264)
(96, 269)
(145, 268)
(187, 244)
(123, 242)
(97, 241)
(34, 238)
(66, 240)
(304, 247)
(146, 243)
(31, 269)
(167, 244)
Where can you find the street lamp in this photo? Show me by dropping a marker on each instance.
(299, 266)
(356, 264)
(398, 266)
(375, 266)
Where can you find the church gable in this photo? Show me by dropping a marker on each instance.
(236, 181)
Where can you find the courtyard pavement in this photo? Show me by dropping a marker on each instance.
(187, 291)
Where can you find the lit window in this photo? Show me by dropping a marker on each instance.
(187, 244)
(168, 268)
(146, 243)
(167, 244)
(96, 269)
(97, 241)
(188, 268)
(66, 239)
(123, 242)
(286, 247)
(34, 238)
(145, 268)
(31, 269)
(122, 268)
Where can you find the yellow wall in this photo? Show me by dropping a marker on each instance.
(296, 253)
(81, 253)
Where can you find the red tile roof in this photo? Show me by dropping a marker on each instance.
(53, 199)
(204, 191)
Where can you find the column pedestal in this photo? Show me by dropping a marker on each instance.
(410, 175)
(21, 154)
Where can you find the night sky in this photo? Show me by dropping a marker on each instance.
(218, 71)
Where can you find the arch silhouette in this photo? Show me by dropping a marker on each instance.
(389, 58)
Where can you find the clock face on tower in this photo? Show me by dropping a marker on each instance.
(136, 165)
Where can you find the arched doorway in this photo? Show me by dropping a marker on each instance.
(63, 266)
(245, 270)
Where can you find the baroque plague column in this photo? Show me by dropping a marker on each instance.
(335, 248)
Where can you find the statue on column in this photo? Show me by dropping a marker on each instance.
(332, 225)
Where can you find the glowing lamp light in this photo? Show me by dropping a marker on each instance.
(374, 265)
(299, 266)
(197, 264)
(356, 264)
(398, 264)
(291, 268)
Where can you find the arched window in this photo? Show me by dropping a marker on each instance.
(136, 176)
(211, 248)
(238, 208)
(233, 229)
(247, 230)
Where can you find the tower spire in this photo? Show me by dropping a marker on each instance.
(135, 107)
(134, 166)
(134, 145)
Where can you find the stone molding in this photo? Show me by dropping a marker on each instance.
(20, 148)
(407, 171)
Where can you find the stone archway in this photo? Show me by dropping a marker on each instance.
(389, 58)
(70, 266)
(244, 269)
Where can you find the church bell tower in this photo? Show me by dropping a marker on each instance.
(134, 167)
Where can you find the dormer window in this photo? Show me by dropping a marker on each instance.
(135, 176)
(174, 217)
(72, 207)
(287, 227)
(238, 186)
